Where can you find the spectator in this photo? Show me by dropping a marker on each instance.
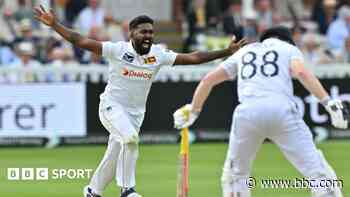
(72, 10)
(91, 16)
(114, 30)
(250, 30)
(339, 30)
(200, 15)
(324, 14)
(341, 3)
(233, 20)
(312, 50)
(23, 11)
(265, 15)
(212, 13)
(96, 33)
(125, 28)
(60, 10)
(59, 53)
(25, 29)
(6, 31)
(308, 6)
(195, 17)
(297, 33)
(26, 35)
(25, 53)
(283, 7)
(7, 56)
(296, 13)
(60, 57)
(344, 57)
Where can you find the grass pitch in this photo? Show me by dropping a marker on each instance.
(157, 168)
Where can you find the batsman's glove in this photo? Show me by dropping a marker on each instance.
(184, 116)
(339, 112)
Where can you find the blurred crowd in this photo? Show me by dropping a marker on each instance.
(321, 28)
(26, 43)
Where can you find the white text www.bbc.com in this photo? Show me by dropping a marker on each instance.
(296, 183)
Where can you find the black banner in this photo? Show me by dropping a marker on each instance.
(165, 98)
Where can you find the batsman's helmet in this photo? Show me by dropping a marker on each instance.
(279, 32)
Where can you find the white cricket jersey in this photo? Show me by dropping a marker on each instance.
(263, 69)
(131, 75)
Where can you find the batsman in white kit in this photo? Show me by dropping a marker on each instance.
(267, 110)
(133, 66)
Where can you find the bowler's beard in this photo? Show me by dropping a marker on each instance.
(141, 49)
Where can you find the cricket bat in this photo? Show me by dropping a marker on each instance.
(182, 177)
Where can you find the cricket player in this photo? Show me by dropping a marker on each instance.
(264, 71)
(133, 66)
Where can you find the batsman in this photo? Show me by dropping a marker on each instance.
(267, 110)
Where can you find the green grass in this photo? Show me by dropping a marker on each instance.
(156, 172)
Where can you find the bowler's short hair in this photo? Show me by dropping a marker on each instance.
(140, 20)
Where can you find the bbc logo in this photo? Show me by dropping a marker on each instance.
(15, 174)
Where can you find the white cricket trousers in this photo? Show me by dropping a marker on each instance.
(122, 152)
(278, 120)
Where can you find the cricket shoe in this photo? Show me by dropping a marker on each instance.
(130, 193)
(88, 192)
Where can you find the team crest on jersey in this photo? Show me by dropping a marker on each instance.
(137, 74)
(128, 57)
(150, 60)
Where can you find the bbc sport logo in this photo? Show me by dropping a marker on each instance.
(42, 174)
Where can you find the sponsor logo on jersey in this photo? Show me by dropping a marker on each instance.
(128, 57)
(150, 60)
(137, 74)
